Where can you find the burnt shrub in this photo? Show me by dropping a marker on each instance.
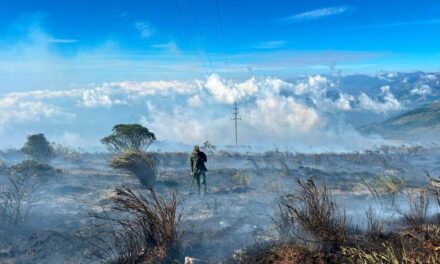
(32, 168)
(140, 228)
(317, 213)
(18, 192)
(138, 163)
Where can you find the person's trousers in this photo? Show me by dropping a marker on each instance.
(200, 177)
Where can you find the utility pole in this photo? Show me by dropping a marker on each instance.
(236, 118)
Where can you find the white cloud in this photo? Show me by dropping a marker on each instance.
(273, 44)
(344, 102)
(62, 41)
(225, 92)
(272, 111)
(430, 77)
(176, 124)
(390, 103)
(92, 98)
(195, 101)
(316, 14)
(154, 87)
(145, 29)
(313, 89)
(170, 46)
(13, 110)
(313, 84)
(422, 90)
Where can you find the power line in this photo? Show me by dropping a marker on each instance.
(222, 38)
(201, 36)
(182, 17)
(179, 10)
(200, 33)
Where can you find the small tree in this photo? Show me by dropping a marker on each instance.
(131, 141)
(126, 137)
(38, 148)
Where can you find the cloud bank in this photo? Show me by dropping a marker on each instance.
(298, 114)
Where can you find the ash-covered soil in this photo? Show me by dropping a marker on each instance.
(244, 190)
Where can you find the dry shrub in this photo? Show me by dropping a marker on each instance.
(356, 255)
(284, 224)
(385, 184)
(19, 193)
(144, 229)
(140, 164)
(34, 169)
(418, 204)
(411, 246)
(280, 254)
(375, 225)
(315, 210)
(241, 180)
(16, 200)
(434, 188)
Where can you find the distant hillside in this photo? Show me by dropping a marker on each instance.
(424, 119)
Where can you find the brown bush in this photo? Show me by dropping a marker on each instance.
(407, 247)
(140, 164)
(316, 212)
(280, 254)
(145, 229)
(418, 204)
(375, 225)
(284, 224)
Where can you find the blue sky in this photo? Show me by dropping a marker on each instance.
(178, 39)
(73, 69)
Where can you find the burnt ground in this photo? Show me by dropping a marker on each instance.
(243, 193)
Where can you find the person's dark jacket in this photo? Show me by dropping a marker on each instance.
(197, 161)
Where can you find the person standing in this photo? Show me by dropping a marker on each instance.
(198, 168)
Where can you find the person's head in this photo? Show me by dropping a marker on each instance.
(196, 148)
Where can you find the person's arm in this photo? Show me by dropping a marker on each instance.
(191, 164)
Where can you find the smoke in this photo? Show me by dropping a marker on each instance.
(306, 113)
(229, 92)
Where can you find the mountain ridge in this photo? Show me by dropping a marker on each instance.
(425, 118)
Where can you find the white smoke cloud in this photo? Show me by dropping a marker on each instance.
(174, 125)
(390, 103)
(224, 92)
(272, 110)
